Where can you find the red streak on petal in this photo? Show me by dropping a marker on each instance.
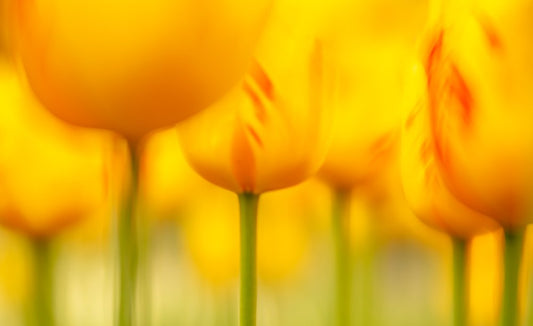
(435, 68)
(492, 35)
(450, 99)
(243, 160)
(410, 120)
(382, 144)
(426, 152)
(434, 55)
(259, 106)
(413, 115)
(255, 135)
(460, 90)
(263, 81)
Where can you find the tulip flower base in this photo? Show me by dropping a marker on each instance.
(248, 203)
(341, 237)
(42, 305)
(460, 297)
(128, 243)
(513, 246)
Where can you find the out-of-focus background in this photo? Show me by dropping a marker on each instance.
(193, 270)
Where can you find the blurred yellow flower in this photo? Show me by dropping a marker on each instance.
(270, 132)
(15, 269)
(134, 66)
(212, 235)
(480, 77)
(424, 189)
(372, 42)
(168, 183)
(284, 240)
(51, 175)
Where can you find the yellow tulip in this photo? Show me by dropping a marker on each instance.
(168, 183)
(212, 236)
(371, 45)
(51, 175)
(15, 270)
(480, 78)
(269, 132)
(424, 189)
(134, 66)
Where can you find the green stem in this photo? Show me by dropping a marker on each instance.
(248, 208)
(145, 267)
(367, 288)
(512, 254)
(341, 237)
(529, 310)
(460, 290)
(43, 281)
(128, 246)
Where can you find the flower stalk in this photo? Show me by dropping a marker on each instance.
(512, 255)
(460, 282)
(341, 238)
(42, 304)
(128, 246)
(248, 203)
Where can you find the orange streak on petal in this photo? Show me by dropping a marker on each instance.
(259, 106)
(255, 135)
(434, 55)
(460, 90)
(492, 35)
(243, 160)
(262, 79)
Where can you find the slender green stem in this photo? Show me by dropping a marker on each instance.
(42, 309)
(460, 289)
(145, 267)
(128, 247)
(529, 310)
(512, 252)
(366, 287)
(248, 206)
(341, 236)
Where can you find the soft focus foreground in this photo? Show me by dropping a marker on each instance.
(410, 120)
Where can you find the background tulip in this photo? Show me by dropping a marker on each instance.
(168, 183)
(51, 177)
(370, 44)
